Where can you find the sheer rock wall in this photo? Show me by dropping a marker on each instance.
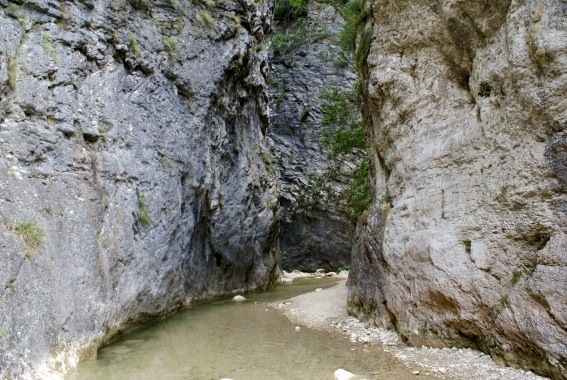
(469, 107)
(131, 134)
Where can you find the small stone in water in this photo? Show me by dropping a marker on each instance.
(238, 298)
(341, 374)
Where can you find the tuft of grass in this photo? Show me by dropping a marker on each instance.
(14, 12)
(32, 234)
(13, 69)
(355, 15)
(135, 46)
(363, 47)
(144, 211)
(516, 277)
(170, 43)
(206, 18)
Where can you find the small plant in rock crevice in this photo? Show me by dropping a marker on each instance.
(295, 37)
(144, 211)
(13, 68)
(3, 333)
(135, 46)
(170, 43)
(485, 89)
(32, 234)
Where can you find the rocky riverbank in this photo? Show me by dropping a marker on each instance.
(326, 309)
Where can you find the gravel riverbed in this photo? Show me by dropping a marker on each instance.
(326, 309)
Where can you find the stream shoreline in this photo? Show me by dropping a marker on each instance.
(325, 309)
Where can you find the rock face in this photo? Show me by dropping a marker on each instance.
(469, 110)
(314, 231)
(131, 173)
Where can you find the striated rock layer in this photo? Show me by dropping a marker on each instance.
(131, 136)
(469, 107)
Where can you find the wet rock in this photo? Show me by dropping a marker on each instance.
(239, 298)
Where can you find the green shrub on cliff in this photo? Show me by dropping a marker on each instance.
(32, 234)
(343, 133)
(294, 38)
(290, 10)
(358, 192)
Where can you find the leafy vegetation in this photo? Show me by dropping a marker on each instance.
(296, 36)
(290, 10)
(206, 18)
(343, 134)
(358, 192)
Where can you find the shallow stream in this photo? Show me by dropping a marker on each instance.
(240, 341)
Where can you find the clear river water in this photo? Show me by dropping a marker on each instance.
(240, 341)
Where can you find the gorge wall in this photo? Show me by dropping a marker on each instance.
(132, 172)
(468, 101)
(315, 230)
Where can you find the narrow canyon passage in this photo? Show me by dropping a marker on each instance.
(241, 341)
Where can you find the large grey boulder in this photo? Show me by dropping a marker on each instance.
(468, 102)
(131, 144)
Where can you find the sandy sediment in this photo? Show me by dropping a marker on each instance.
(326, 309)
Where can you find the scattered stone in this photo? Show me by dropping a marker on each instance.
(343, 274)
(238, 298)
(318, 289)
(297, 328)
(415, 373)
(341, 374)
(330, 274)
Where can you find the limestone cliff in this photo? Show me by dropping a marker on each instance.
(315, 230)
(468, 101)
(131, 174)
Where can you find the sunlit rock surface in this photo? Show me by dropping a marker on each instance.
(469, 107)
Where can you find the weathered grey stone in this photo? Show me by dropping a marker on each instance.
(320, 235)
(132, 135)
(468, 102)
